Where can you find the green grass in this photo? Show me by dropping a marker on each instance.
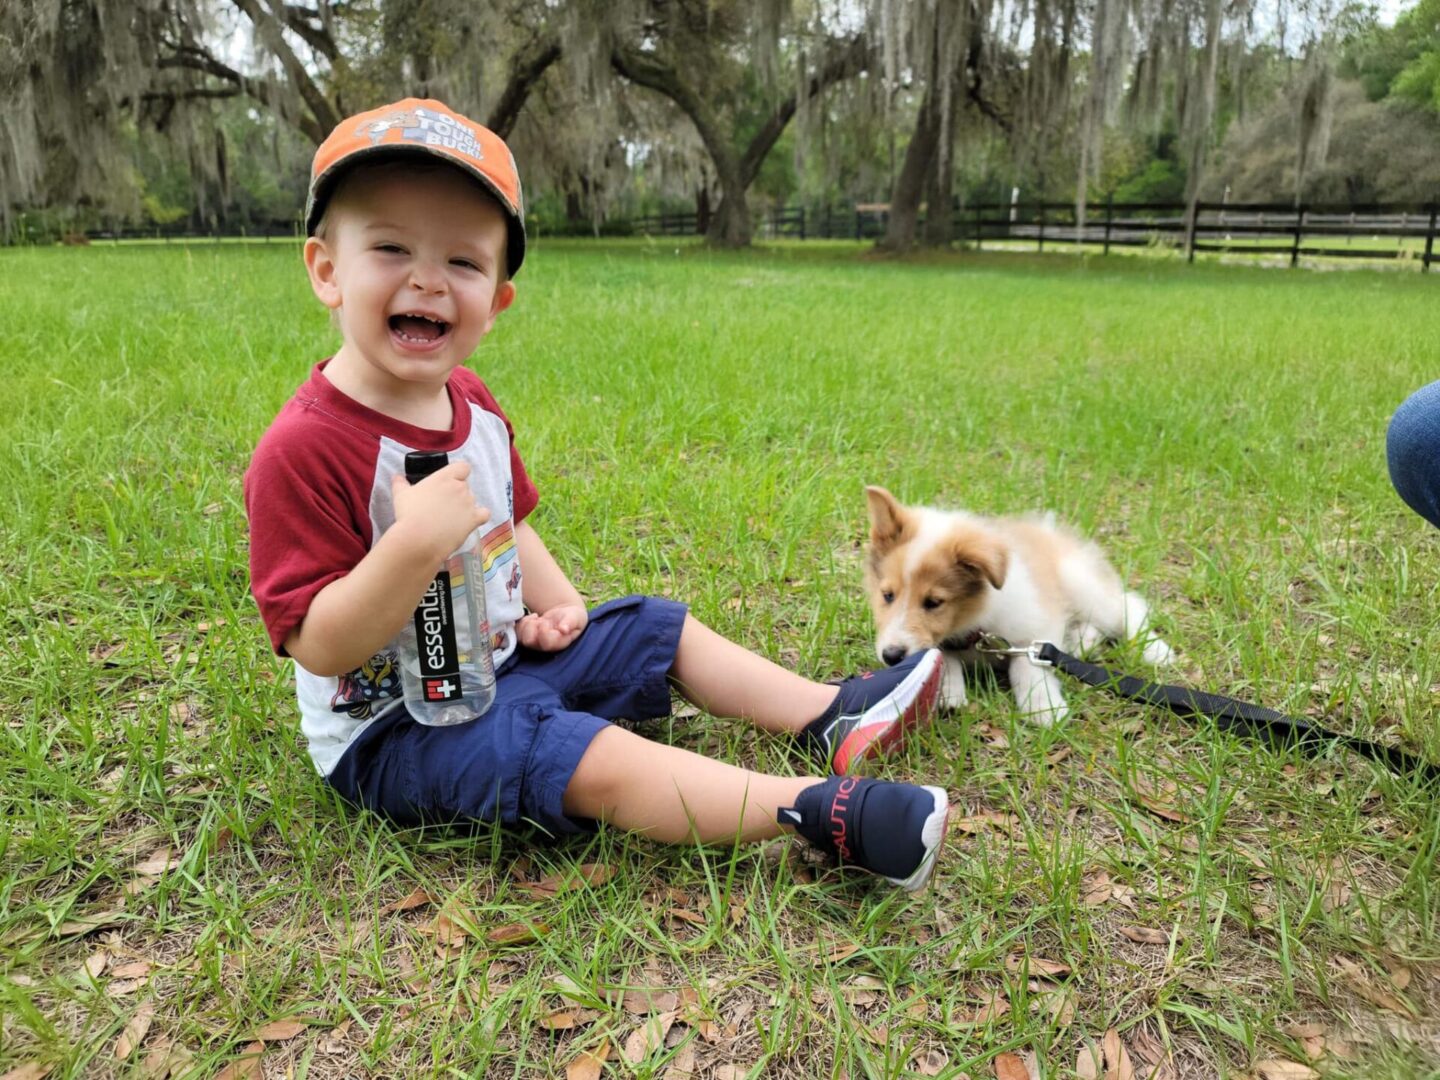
(701, 426)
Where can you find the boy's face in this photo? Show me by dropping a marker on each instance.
(412, 263)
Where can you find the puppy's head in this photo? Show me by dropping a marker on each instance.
(927, 574)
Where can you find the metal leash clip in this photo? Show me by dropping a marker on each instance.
(995, 645)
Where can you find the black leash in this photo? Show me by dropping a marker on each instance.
(1229, 714)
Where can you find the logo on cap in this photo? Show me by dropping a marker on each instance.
(426, 127)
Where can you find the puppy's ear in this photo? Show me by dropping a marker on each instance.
(986, 557)
(887, 519)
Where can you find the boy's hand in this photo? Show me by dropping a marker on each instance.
(440, 510)
(554, 630)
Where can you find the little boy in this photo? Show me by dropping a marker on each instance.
(415, 233)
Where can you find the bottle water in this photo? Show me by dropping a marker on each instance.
(446, 669)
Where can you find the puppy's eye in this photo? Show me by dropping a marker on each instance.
(930, 603)
(888, 596)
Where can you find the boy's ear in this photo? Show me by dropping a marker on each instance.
(504, 297)
(320, 265)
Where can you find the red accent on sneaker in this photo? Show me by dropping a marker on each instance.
(839, 817)
(871, 740)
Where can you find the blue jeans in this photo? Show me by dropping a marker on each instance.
(1412, 447)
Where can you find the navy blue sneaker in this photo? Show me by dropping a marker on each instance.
(873, 712)
(894, 830)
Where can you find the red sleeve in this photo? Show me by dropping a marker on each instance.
(308, 525)
(526, 497)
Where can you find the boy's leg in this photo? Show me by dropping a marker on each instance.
(860, 718)
(726, 679)
(672, 795)
(1412, 448)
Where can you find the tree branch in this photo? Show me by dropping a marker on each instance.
(194, 58)
(975, 76)
(325, 114)
(646, 69)
(851, 60)
(299, 19)
(525, 70)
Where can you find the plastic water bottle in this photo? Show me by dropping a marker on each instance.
(446, 669)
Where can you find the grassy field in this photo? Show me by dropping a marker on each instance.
(179, 894)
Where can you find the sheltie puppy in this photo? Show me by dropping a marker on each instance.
(945, 577)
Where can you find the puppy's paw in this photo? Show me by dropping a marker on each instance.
(1158, 652)
(1047, 715)
(952, 684)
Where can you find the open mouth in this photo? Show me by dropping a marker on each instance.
(418, 329)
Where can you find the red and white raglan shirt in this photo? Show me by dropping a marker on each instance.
(318, 496)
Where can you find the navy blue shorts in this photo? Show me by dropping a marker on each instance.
(514, 763)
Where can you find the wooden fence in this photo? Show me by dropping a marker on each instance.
(1368, 232)
(1396, 232)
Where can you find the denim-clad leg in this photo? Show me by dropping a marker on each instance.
(1412, 447)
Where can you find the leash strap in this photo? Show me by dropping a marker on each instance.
(1231, 715)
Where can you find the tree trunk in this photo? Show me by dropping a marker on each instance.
(730, 224)
(910, 184)
(734, 172)
(702, 209)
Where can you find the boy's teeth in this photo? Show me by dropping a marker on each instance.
(419, 328)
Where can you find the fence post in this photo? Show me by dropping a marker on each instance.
(977, 228)
(1295, 247)
(1109, 214)
(802, 222)
(1041, 246)
(1430, 240)
(858, 235)
(1192, 215)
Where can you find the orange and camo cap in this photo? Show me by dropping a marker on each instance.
(420, 128)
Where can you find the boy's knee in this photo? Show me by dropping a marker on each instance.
(600, 779)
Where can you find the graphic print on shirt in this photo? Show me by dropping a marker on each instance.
(499, 557)
(376, 679)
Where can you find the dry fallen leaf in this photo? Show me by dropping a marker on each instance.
(279, 1030)
(135, 1031)
(997, 1006)
(516, 933)
(1145, 935)
(731, 1071)
(1358, 981)
(95, 964)
(158, 862)
(135, 969)
(244, 1067)
(1010, 1067)
(1280, 1069)
(931, 1063)
(986, 819)
(648, 1037)
(407, 903)
(88, 924)
(1117, 1060)
(682, 1065)
(334, 1042)
(642, 1000)
(1037, 966)
(30, 1071)
(1089, 1062)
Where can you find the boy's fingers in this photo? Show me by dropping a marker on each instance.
(458, 469)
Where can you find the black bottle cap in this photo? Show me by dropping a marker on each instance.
(421, 463)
